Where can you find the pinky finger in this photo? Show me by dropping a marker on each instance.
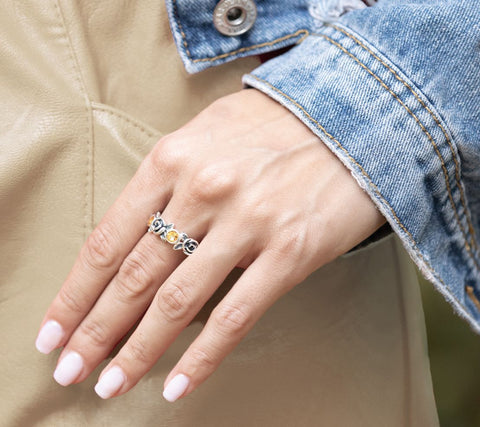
(256, 290)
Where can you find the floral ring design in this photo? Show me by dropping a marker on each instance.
(157, 225)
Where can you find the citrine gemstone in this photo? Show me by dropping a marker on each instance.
(172, 236)
(151, 220)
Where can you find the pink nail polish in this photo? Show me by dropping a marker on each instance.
(49, 337)
(68, 369)
(176, 387)
(110, 383)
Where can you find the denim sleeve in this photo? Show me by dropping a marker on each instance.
(394, 91)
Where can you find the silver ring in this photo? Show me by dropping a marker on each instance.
(157, 225)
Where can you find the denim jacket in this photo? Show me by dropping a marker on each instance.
(394, 91)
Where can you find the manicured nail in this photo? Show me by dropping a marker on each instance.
(176, 387)
(49, 337)
(110, 382)
(68, 369)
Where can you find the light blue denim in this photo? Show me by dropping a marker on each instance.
(394, 91)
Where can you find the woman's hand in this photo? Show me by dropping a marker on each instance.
(258, 190)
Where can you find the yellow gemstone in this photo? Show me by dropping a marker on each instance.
(172, 236)
(151, 220)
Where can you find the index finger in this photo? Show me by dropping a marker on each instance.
(102, 254)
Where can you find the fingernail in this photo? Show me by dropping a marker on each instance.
(110, 382)
(49, 337)
(176, 387)
(68, 369)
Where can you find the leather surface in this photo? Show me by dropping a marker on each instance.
(86, 89)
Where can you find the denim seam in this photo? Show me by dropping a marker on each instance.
(473, 241)
(233, 52)
(177, 19)
(434, 145)
(370, 182)
(255, 46)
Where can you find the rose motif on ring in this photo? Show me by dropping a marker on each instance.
(189, 245)
(155, 223)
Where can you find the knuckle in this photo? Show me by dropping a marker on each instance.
(287, 245)
(99, 253)
(95, 331)
(259, 209)
(213, 182)
(133, 277)
(201, 358)
(173, 302)
(139, 352)
(166, 154)
(232, 319)
(72, 299)
(291, 243)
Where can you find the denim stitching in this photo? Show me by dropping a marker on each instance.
(234, 52)
(370, 182)
(177, 18)
(436, 120)
(445, 172)
(246, 49)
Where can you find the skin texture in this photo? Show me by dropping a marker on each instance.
(258, 190)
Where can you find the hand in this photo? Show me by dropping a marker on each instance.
(258, 190)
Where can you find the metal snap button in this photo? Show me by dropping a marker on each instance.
(234, 17)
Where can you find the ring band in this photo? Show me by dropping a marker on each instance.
(157, 225)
